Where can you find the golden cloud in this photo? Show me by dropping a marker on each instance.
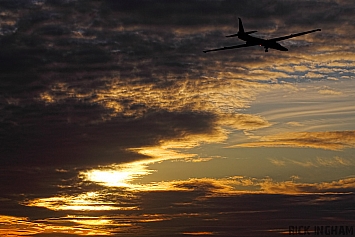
(240, 185)
(23, 226)
(290, 187)
(334, 162)
(170, 149)
(217, 95)
(314, 75)
(278, 162)
(243, 121)
(295, 124)
(337, 140)
(329, 92)
(316, 162)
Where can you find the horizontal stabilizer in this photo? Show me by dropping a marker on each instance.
(250, 32)
(234, 35)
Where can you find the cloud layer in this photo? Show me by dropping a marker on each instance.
(69, 68)
(87, 84)
(325, 140)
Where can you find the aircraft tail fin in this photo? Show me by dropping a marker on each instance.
(241, 28)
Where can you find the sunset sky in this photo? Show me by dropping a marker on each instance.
(113, 121)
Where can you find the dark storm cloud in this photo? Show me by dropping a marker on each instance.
(194, 14)
(73, 43)
(67, 47)
(51, 142)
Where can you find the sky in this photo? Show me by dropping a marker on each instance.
(113, 121)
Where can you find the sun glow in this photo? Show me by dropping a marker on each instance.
(117, 175)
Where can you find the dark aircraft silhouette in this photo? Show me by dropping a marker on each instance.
(252, 41)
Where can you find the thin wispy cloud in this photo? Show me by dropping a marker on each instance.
(329, 91)
(323, 140)
(316, 162)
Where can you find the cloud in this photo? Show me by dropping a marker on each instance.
(251, 185)
(290, 187)
(216, 202)
(93, 83)
(333, 162)
(243, 121)
(337, 140)
(79, 79)
(235, 186)
(313, 75)
(336, 161)
(295, 124)
(278, 162)
(17, 226)
(328, 91)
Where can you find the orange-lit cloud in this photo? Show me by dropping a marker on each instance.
(244, 121)
(207, 187)
(218, 132)
(329, 91)
(201, 233)
(290, 187)
(187, 94)
(335, 162)
(94, 92)
(278, 162)
(23, 226)
(240, 185)
(89, 201)
(322, 140)
(233, 186)
(316, 162)
(295, 124)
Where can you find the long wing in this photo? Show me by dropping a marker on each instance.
(229, 47)
(293, 35)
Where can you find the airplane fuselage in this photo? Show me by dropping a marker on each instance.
(251, 40)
